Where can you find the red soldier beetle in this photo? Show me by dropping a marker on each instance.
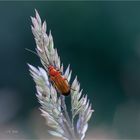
(59, 82)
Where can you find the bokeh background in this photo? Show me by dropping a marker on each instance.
(101, 41)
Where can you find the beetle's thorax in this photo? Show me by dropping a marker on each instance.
(53, 71)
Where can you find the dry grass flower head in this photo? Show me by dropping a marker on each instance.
(53, 106)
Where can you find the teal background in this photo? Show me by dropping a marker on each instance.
(101, 41)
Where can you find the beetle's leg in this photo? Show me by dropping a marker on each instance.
(59, 72)
(70, 87)
(73, 89)
(51, 79)
(65, 79)
(54, 85)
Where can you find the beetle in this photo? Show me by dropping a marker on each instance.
(56, 78)
(59, 82)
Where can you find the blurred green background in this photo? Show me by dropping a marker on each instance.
(101, 41)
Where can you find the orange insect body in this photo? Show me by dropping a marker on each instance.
(59, 81)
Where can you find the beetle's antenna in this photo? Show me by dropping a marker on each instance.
(33, 52)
